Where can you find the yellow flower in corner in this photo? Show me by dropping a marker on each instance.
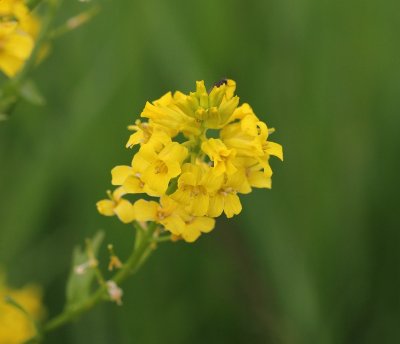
(15, 327)
(18, 31)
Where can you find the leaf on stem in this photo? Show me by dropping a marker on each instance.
(31, 93)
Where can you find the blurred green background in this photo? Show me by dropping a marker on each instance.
(314, 260)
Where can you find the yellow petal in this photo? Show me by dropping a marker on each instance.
(216, 205)
(125, 211)
(258, 179)
(106, 207)
(181, 196)
(157, 182)
(118, 193)
(7, 28)
(119, 174)
(232, 205)
(144, 157)
(186, 178)
(226, 109)
(199, 205)
(133, 185)
(135, 139)
(174, 169)
(274, 149)
(190, 234)
(10, 64)
(202, 224)
(164, 100)
(19, 45)
(212, 182)
(145, 210)
(174, 152)
(174, 224)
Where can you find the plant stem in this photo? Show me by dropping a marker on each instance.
(142, 249)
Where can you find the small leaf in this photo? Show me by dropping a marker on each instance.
(79, 285)
(31, 93)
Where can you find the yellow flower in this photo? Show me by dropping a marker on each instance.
(197, 153)
(220, 155)
(15, 326)
(130, 177)
(160, 167)
(194, 225)
(164, 213)
(226, 199)
(246, 136)
(254, 174)
(164, 112)
(174, 218)
(116, 205)
(249, 137)
(194, 187)
(148, 133)
(18, 31)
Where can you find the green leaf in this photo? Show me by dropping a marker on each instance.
(31, 93)
(79, 285)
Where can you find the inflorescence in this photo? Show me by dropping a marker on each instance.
(196, 154)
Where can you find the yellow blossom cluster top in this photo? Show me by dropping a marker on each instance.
(18, 31)
(15, 326)
(196, 153)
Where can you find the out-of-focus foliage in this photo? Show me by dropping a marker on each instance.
(314, 260)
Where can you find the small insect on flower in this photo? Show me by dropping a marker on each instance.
(219, 83)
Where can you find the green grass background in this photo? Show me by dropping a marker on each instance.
(314, 260)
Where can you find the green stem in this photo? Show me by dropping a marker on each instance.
(163, 238)
(141, 251)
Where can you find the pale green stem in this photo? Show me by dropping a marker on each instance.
(163, 238)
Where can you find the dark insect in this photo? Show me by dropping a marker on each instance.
(218, 84)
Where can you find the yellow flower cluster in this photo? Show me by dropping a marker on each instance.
(196, 154)
(15, 327)
(18, 31)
